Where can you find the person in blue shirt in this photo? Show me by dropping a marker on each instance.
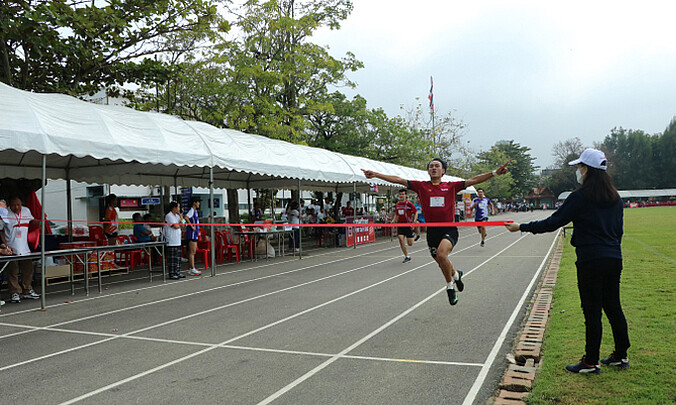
(480, 206)
(142, 232)
(596, 211)
(420, 219)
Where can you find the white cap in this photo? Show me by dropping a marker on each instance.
(592, 158)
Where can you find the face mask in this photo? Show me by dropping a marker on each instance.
(578, 176)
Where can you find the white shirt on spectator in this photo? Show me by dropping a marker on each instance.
(172, 235)
(16, 230)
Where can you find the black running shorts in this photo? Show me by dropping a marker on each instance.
(481, 220)
(406, 231)
(436, 234)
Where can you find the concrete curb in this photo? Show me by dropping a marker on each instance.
(518, 378)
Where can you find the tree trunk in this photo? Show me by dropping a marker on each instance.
(233, 206)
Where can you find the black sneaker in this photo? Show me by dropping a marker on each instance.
(613, 360)
(482, 243)
(458, 282)
(181, 275)
(407, 259)
(174, 277)
(584, 368)
(452, 296)
(416, 238)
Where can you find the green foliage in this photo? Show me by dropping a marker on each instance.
(74, 47)
(521, 167)
(638, 160)
(499, 187)
(563, 175)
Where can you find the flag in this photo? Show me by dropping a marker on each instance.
(373, 187)
(431, 96)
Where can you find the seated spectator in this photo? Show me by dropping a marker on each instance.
(15, 227)
(348, 211)
(142, 231)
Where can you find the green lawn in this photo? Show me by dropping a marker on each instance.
(648, 299)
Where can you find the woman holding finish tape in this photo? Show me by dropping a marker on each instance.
(596, 211)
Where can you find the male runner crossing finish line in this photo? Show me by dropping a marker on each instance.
(437, 200)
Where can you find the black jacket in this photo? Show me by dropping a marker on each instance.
(597, 229)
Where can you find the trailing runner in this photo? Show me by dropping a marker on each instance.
(480, 207)
(404, 213)
(437, 200)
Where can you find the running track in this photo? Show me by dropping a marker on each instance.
(341, 326)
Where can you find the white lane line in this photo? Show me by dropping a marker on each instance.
(222, 344)
(190, 316)
(225, 273)
(471, 395)
(190, 294)
(358, 343)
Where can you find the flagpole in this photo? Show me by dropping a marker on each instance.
(431, 97)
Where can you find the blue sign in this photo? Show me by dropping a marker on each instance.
(150, 201)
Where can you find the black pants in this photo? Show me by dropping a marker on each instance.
(599, 284)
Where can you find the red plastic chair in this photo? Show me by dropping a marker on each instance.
(226, 245)
(96, 234)
(203, 248)
(130, 258)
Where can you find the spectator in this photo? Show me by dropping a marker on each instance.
(111, 219)
(294, 218)
(192, 233)
(256, 213)
(3, 208)
(15, 238)
(142, 232)
(172, 235)
(348, 211)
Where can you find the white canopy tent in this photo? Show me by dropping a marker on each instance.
(118, 145)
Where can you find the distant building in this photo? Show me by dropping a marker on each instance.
(539, 196)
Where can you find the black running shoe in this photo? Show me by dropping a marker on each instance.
(615, 361)
(174, 277)
(584, 368)
(407, 259)
(416, 238)
(452, 296)
(458, 282)
(181, 275)
(482, 243)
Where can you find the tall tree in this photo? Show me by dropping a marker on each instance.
(521, 164)
(76, 47)
(562, 176)
(274, 73)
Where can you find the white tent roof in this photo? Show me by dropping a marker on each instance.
(118, 145)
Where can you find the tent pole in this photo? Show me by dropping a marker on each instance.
(300, 220)
(43, 278)
(212, 221)
(387, 210)
(69, 206)
(354, 229)
(248, 200)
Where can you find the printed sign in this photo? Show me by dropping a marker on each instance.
(360, 234)
(150, 201)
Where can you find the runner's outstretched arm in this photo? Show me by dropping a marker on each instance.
(483, 177)
(392, 179)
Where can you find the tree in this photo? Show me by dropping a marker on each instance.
(445, 140)
(76, 47)
(275, 75)
(563, 175)
(496, 187)
(521, 164)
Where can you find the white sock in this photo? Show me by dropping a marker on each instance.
(450, 286)
(455, 276)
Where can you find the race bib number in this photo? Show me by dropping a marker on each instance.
(400, 212)
(437, 202)
(18, 233)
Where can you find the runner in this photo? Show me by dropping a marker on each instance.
(437, 199)
(192, 234)
(404, 213)
(480, 206)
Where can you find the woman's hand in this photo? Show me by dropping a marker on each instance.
(513, 226)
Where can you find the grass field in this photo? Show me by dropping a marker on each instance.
(648, 297)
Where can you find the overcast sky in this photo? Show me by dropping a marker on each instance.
(524, 70)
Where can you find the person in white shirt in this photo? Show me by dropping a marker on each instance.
(172, 235)
(294, 218)
(14, 225)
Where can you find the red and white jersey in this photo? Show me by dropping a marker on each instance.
(405, 211)
(437, 200)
